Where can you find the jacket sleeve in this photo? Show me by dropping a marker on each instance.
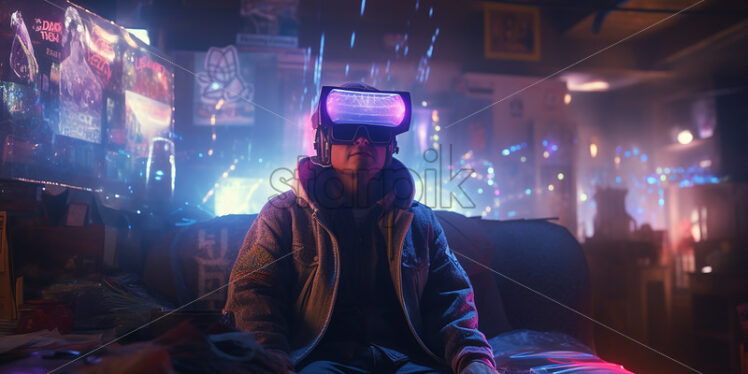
(448, 310)
(258, 286)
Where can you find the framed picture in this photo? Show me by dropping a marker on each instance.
(512, 32)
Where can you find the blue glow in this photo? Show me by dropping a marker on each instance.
(200, 155)
(636, 151)
(545, 143)
(480, 190)
(490, 170)
(490, 182)
(512, 149)
(159, 172)
(713, 179)
(505, 152)
(554, 147)
(347, 67)
(405, 51)
(524, 145)
(430, 51)
(259, 160)
(353, 38)
(618, 179)
(627, 154)
(431, 12)
(651, 180)
(528, 191)
(511, 213)
(215, 86)
(158, 177)
(644, 157)
(661, 201)
(417, 4)
(363, 5)
(618, 149)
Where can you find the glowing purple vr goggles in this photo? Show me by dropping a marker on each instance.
(348, 111)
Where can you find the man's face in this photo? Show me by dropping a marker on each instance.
(359, 156)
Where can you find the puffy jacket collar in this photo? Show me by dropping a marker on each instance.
(396, 181)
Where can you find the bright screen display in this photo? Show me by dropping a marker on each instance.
(82, 100)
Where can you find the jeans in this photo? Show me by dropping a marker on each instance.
(370, 359)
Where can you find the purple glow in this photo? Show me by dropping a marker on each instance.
(365, 108)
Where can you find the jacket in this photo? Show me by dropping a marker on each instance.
(284, 282)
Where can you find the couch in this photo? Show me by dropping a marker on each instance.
(530, 278)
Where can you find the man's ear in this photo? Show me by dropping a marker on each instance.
(392, 148)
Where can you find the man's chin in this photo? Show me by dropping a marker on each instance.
(362, 165)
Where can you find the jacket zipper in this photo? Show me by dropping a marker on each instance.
(400, 289)
(335, 289)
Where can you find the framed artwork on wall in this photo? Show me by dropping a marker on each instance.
(512, 32)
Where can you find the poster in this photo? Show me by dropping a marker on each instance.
(512, 32)
(148, 75)
(81, 91)
(224, 88)
(146, 120)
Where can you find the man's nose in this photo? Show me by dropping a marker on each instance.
(363, 140)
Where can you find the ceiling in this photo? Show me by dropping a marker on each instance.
(639, 40)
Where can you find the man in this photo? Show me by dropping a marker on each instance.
(371, 284)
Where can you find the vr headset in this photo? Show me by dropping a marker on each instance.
(347, 113)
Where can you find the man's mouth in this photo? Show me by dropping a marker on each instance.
(361, 153)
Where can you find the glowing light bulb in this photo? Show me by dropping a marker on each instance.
(685, 137)
(593, 150)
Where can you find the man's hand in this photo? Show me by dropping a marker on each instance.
(477, 367)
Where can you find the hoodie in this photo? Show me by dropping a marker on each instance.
(285, 281)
